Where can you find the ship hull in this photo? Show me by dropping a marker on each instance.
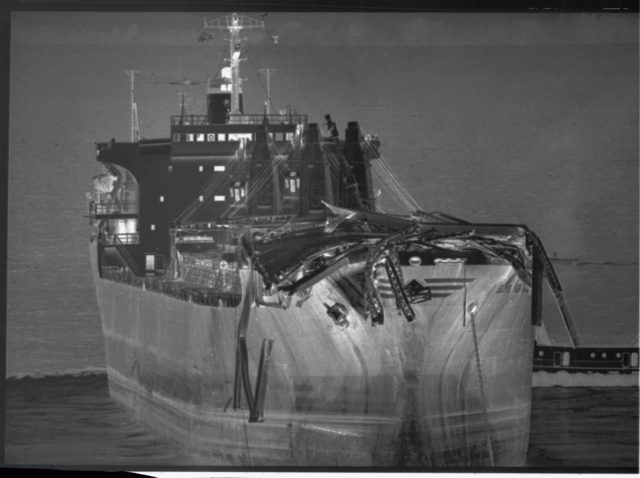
(450, 388)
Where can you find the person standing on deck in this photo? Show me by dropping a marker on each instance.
(331, 128)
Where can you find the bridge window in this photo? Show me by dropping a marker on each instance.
(291, 192)
(292, 183)
(200, 137)
(211, 137)
(221, 137)
(121, 231)
(150, 262)
(126, 226)
(189, 137)
(238, 190)
(240, 136)
(176, 137)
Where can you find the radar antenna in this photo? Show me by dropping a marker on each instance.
(181, 84)
(234, 24)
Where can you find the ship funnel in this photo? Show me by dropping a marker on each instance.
(313, 133)
(261, 135)
(353, 134)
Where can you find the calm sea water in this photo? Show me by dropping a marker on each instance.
(541, 135)
(70, 420)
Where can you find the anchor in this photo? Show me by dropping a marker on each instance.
(338, 312)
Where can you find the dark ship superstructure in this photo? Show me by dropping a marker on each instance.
(186, 194)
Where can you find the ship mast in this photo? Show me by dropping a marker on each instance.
(135, 127)
(234, 24)
(267, 74)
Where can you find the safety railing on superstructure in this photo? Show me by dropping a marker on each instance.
(173, 288)
(118, 239)
(110, 208)
(201, 120)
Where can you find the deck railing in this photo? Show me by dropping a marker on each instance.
(109, 208)
(120, 239)
(202, 120)
(176, 289)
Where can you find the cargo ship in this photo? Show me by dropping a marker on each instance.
(259, 308)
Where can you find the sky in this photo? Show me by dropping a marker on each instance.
(528, 118)
(349, 29)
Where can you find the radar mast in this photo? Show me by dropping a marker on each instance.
(234, 24)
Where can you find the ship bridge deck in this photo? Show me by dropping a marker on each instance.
(240, 119)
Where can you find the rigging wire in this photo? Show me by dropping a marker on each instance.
(209, 189)
(405, 196)
(338, 160)
(263, 177)
(381, 169)
(257, 70)
(396, 192)
(259, 181)
(392, 180)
